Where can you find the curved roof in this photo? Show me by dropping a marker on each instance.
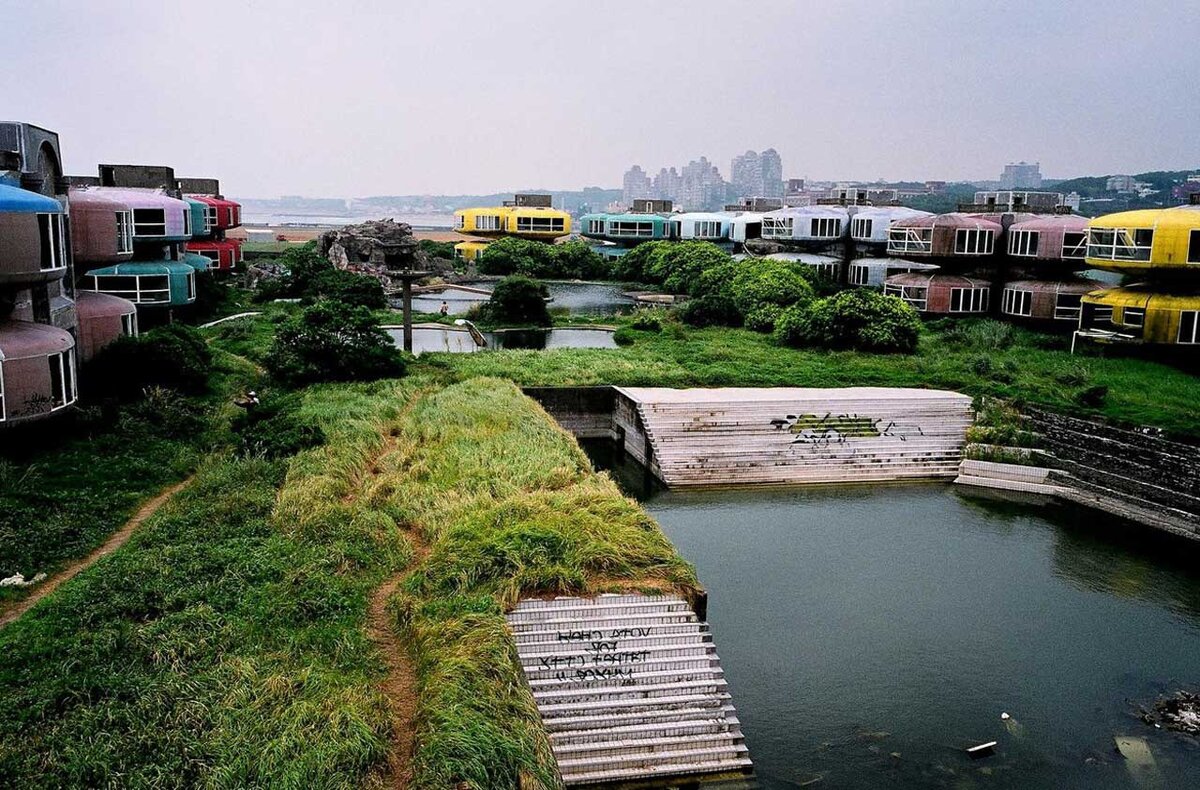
(92, 200)
(894, 263)
(807, 258)
(195, 260)
(143, 198)
(1073, 286)
(891, 213)
(1177, 217)
(809, 211)
(712, 216)
(145, 267)
(14, 200)
(93, 304)
(636, 217)
(1065, 222)
(941, 280)
(24, 339)
(1146, 295)
(209, 200)
(953, 220)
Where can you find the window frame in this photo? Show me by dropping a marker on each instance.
(1138, 312)
(140, 294)
(3, 403)
(857, 224)
(780, 227)
(1068, 313)
(1012, 296)
(1024, 243)
(50, 236)
(1193, 254)
(978, 299)
(124, 231)
(906, 241)
(825, 227)
(66, 386)
(857, 269)
(1104, 243)
(903, 293)
(1195, 319)
(974, 241)
(1078, 250)
(160, 224)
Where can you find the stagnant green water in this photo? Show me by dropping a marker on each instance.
(869, 633)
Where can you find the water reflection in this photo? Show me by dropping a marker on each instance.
(578, 298)
(429, 338)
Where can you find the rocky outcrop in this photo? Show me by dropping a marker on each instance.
(378, 245)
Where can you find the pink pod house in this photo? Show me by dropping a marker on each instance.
(37, 371)
(1050, 238)
(945, 236)
(102, 319)
(157, 217)
(940, 294)
(101, 227)
(1046, 300)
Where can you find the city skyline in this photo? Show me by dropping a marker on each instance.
(348, 100)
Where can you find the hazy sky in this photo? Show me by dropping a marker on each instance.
(361, 98)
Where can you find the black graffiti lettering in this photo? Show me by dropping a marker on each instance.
(607, 673)
(579, 636)
(626, 633)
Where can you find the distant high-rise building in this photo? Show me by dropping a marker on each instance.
(772, 173)
(702, 188)
(667, 184)
(636, 185)
(1121, 184)
(1021, 175)
(757, 175)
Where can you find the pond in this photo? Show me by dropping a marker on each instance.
(579, 298)
(429, 338)
(869, 634)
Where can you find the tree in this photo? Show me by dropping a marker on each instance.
(174, 356)
(310, 277)
(763, 288)
(573, 260)
(333, 341)
(860, 319)
(634, 265)
(679, 265)
(518, 300)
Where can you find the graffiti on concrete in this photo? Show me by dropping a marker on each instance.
(601, 659)
(818, 432)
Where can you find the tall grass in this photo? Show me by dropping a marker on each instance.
(506, 505)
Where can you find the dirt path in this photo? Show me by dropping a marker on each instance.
(114, 542)
(400, 685)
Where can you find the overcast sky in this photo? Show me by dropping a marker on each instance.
(354, 98)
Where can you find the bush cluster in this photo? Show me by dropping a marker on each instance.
(574, 260)
(858, 319)
(518, 300)
(333, 341)
(173, 357)
(309, 277)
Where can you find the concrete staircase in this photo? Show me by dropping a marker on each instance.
(772, 436)
(1008, 477)
(629, 688)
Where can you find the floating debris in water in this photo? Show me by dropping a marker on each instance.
(1180, 713)
(982, 750)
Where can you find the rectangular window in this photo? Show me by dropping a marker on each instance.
(210, 216)
(191, 286)
(187, 221)
(137, 288)
(149, 222)
(826, 228)
(1066, 307)
(1188, 323)
(973, 241)
(539, 224)
(1018, 302)
(1120, 244)
(902, 241)
(860, 227)
(124, 232)
(1074, 245)
(915, 295)
(1194, 247)
(214, 256)
(62, 379)
(706, 229)
(129, 325)
(1023, 243)
(596, 226)
(777, 227)
(859, 274)
(1133, 316)
(50, 234)
(631, 228)
(487, 222)
(968, 300)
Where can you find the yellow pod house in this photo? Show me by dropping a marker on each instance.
(1141, 314)
(1149, 241)
(526, 217)
(470, 250)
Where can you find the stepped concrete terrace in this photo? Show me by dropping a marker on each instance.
(629, 688)
(784, 436)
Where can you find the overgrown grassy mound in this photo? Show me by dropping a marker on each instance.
(506, 505)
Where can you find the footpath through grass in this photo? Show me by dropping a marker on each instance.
(507, 505)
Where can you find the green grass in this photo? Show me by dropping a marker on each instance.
(507, 505)
(1139, 391)
(211, 650)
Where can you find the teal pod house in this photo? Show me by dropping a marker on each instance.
(626, 229)
(199, 218)
(163, 283)
(200, 263)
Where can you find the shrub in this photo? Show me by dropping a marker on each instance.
(333, 341)
(634, 266)
(1092, 397)
(646, 322)
(349, 287)
(437, 249)
(764, 318)
(275, 429)
(573, 260)
(718, 280)
(174, 356)
(710, 310)
(518, 300)
(310, 277)
(985, 334)
(859, 319)
(678, 266)
(764, 283)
